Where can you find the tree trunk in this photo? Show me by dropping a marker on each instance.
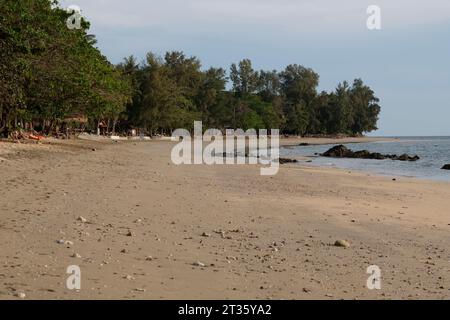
(114, 126)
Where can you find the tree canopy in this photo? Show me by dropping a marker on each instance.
(173, 91)
(49, 72)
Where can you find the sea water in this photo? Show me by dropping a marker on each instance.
(434, 152)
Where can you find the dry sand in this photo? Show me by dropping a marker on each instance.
(148, 221)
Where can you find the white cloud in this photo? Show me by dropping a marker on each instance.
(284, 15)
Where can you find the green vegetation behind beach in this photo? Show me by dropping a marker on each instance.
(53, 76)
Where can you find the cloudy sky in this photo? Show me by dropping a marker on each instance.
(407, 62)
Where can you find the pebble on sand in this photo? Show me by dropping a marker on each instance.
(82, 219)
(198, 264)
(342, 243)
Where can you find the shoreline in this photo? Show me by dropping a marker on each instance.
(384, 171)
(86, 144)
(369, 173)
(293, 141)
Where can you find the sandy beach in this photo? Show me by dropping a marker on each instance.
(153, 230)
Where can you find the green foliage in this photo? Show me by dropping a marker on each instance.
(244, 78)
(49, 73)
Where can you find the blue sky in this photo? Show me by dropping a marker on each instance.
(407, 62)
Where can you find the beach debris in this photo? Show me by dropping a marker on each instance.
(82, 219)
(199, 264)
(206, 235)
(36, 137)
(130, 234)
(129, 277)
(342, 151)
(66, 242)
(342, 243)
(148, 258)
(21, 295)
(285, 160)
(446, 167)
(76, 255)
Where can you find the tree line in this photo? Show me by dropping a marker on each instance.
(49, 73)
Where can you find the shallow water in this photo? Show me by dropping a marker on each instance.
(434, 152)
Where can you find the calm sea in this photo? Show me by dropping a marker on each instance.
(434, 152)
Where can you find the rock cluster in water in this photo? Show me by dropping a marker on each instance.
(446, 167)
(341, 151)
(285, 161)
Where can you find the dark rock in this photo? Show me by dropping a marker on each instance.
(341, 151)
(363, 154)
(284, 160)
(446, 167)
(378, 156)
(236, 155)
(303, 144)
(405, 157)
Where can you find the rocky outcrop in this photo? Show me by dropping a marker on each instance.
(341, 151)
(284, 160)
(446, 167)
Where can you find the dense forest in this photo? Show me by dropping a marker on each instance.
(52, 76)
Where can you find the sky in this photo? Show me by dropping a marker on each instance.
(406, 62)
